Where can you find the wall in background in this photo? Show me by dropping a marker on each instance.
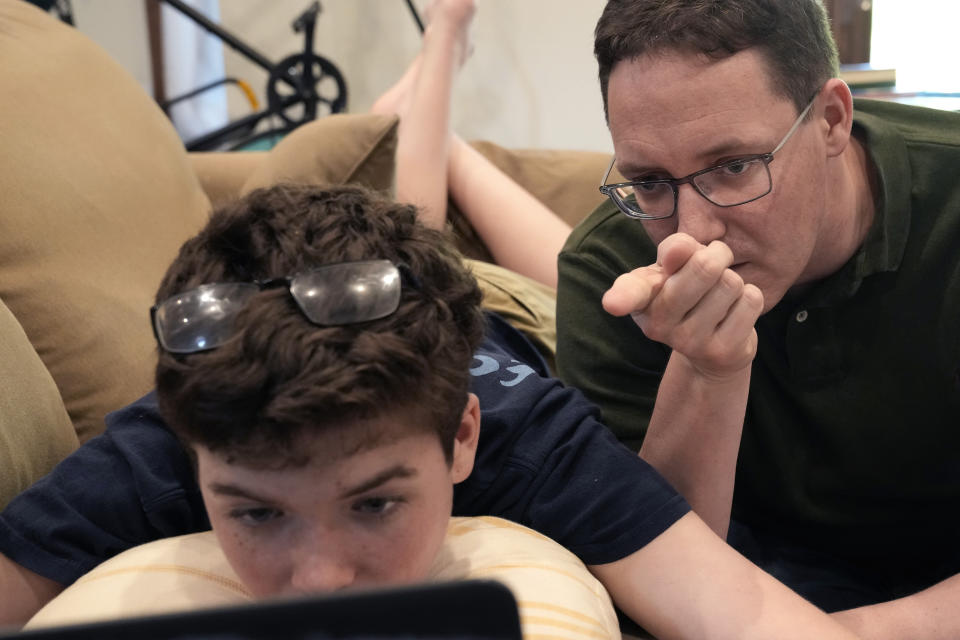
(919, 39)
(531, 81)
(120, 27)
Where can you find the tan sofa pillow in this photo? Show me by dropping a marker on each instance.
(337, 149)
(223, 173)
(565, 181)
(35, 431)
(97, 197)
(557, 597)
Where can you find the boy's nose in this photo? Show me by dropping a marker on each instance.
(322, 571)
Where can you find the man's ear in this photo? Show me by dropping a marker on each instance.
(837, 110)
(465, 443)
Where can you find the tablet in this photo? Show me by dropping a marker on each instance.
(464, 610)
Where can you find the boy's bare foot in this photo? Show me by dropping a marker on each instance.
(453, 17)
(450, 18)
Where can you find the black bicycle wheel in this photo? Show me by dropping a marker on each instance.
(295, 103)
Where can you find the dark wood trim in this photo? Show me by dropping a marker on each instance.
(155, 33)
(851, 21)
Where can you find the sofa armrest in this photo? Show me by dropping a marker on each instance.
(35, 430)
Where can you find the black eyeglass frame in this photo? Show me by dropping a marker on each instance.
(610, 190)
(407, 278)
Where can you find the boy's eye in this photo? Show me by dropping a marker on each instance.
(256, 516)
(376, 506)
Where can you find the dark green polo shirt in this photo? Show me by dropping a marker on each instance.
(852, 435)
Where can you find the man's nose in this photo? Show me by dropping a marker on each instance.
(698, 217)
(322, 570)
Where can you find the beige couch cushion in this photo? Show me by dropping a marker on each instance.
(35, 431)
(565, 181)
(222, 173)
(557, 597)
(337, 149)
(98, 196)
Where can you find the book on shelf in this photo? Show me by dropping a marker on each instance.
(860, 76)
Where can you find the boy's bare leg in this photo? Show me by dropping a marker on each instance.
(24, 592)
(521, 233)
(422, 100)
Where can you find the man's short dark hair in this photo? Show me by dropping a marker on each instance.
(793, 35)
(280, 376)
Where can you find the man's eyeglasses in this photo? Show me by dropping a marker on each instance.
(335, 294)
(726, 185)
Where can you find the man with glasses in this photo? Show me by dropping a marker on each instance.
(791, 259)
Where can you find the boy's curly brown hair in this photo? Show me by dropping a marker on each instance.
(279, 376)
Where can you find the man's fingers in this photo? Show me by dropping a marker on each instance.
(697, 278)
(633, 291)
(675, 250)
(743, 314)
(730, 345)
(702, 320)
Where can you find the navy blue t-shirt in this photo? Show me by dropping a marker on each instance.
(543, 460)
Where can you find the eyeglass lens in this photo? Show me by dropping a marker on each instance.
(201, 319)
(725, 186)
(349, 292)
(734, 183)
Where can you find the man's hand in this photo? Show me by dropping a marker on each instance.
(694, 303)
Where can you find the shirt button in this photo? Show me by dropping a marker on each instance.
(802, 315)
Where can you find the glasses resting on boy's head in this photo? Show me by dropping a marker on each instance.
(334, 294)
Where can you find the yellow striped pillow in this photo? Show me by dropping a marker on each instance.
(557, 597)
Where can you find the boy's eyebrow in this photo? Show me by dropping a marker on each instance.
(396, 471)
(238, 492)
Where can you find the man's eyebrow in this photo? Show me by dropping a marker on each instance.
(707, 155)
(225, 489)
(724, 147)
(396, 471)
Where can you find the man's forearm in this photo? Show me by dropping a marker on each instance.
(931, 614)
(688, 583)
(694, 437)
